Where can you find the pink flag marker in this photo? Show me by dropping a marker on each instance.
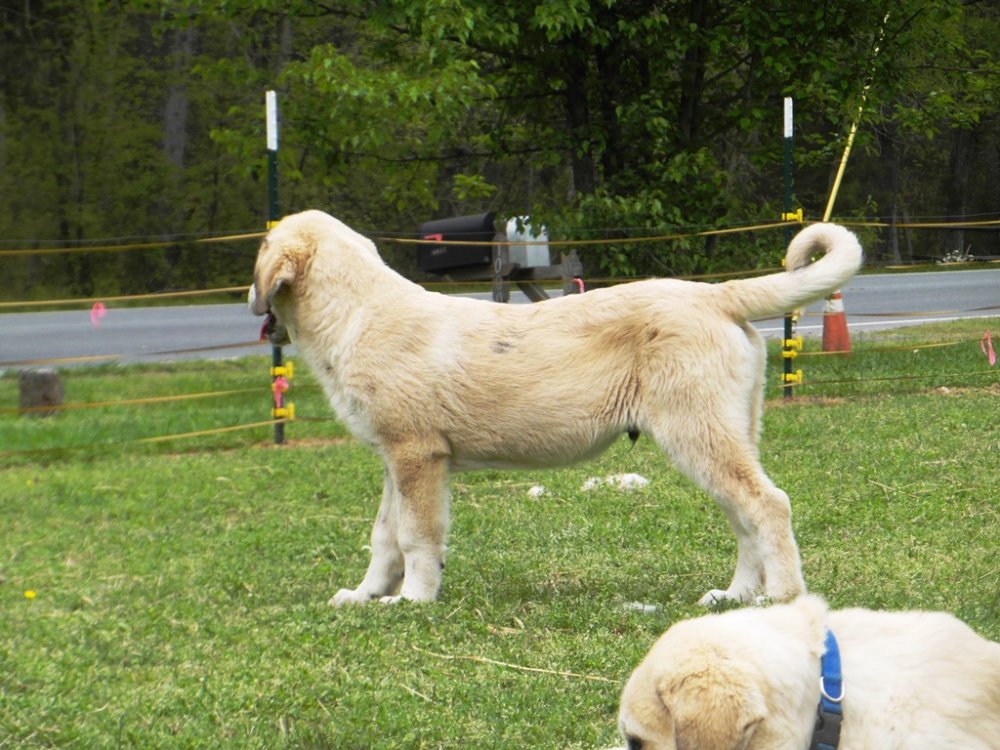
(986, 347)
(97, 312)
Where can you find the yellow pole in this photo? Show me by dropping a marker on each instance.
(833, 305)
(854, 128)
(843, 160)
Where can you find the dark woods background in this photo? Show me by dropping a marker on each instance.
(144, 120)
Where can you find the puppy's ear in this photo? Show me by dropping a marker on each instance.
(269, 277)
(717, 706)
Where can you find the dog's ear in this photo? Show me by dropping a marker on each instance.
(273, 271)
(714, 706)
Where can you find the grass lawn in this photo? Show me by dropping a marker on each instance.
(173, 594)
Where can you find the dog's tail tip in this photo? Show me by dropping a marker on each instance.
(826, 238)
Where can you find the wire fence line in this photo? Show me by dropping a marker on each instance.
(160, 400)
(471, 283)
(952, 378)
(84, 246)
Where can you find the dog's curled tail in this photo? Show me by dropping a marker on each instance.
(803, 281)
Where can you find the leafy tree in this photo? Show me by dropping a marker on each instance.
(599, 118)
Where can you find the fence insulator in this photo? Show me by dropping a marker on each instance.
(791, 347)
(791, 378)
(284, 412)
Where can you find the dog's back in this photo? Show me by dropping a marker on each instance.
(919, 680)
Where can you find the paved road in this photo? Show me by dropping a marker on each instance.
(218, 331)
(875, 301)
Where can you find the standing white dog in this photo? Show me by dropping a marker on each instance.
(749, 680)
(437, 384)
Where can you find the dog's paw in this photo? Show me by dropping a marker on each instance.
(716, 597)
(719, 599)
(391, 599)
(348, 596)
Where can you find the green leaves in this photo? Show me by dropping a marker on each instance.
(597, 114)
(563, 19)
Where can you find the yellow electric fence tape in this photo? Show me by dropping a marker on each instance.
(129, 246)
(789, 218)
(156, 439)
(401, 240)
(130, 401)
(129, 297)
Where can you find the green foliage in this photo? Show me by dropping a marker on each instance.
(144, 118)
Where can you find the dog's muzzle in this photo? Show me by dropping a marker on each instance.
(272, 330)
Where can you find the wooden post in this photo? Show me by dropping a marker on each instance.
(501, 267)
(40, 389)
(572, 269)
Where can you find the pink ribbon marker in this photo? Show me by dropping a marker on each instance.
(986, 347)
(97, 312)
(279, 386)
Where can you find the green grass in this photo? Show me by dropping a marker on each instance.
(238, 392)
(180, 588)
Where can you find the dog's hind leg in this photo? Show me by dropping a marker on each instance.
(719, 454)
(760, 514)
(385, 570)
(748, 580)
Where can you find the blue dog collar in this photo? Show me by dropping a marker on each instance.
(826, 735)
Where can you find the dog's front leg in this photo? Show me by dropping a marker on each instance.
(420, 471)
(385, 570)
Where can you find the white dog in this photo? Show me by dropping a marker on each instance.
(748, 679)
(437, 384)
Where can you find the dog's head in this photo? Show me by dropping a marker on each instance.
(278, 262)
(290, 253)
(695, 698)
(728, 681)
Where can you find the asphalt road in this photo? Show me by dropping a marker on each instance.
(220, 331)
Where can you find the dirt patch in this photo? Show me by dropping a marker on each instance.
(775, 403)
(306, 443)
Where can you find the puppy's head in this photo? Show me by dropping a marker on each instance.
(690, 695)
(724, 681)
(283, 256)
(303, 244)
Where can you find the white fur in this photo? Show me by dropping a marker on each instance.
(437, 384)
(749, 680)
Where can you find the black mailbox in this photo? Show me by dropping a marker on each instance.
(444, 258)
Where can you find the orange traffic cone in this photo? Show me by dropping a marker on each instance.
(835, 335)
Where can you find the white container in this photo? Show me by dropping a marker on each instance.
(534, 255)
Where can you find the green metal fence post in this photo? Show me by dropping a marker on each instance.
(271, 107)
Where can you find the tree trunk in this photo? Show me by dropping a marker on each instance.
(175, 122)
(609, 81)
(175, 112)
(577, 109)
(957, 187)
(890, 154)
(693, 74)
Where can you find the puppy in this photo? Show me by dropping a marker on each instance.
(749, 680)
(436, 384)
